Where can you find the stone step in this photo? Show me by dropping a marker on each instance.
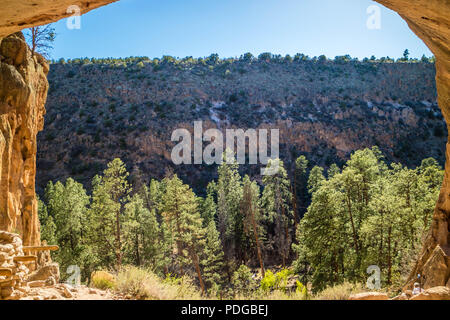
(25, 259)
(40, 248)
(5, 272)
(7, 283)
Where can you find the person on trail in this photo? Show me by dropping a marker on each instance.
(417, 289)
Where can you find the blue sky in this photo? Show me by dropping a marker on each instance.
(230, 28)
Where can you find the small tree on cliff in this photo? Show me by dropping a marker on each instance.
(41, 38)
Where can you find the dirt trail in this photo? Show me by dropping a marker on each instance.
(66, 292)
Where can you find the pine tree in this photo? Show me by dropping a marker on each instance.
(110, 193)
(229, 195)
(141, 233)
(67, 205)
(315, 179)
(165, 249)
(48, 227)
(368, 214)
(276, 201)
(183, 219)
(207, 209)
(213, 262)
(151, 195)
(252, 218)
(300, 196)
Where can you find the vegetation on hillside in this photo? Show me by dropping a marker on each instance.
(98, 110)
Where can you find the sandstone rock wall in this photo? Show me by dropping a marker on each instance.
(23, 92)
(13, 272)
(17, 280)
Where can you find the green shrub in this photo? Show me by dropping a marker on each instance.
(268, 282)
(278, 281)
(301, 290)
(242, 280)
(103, 280)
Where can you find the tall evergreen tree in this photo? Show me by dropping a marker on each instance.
(48, 227)
(213, 261)
(181, 214)
(141, 233)
(109, 196)
(300, 194)
(250, 206)
(229, 195)
(315, 179)
(276, 200)
(67, 205)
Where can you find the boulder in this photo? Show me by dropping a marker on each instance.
(36, 284)
(45, 272)
(436, 269)
(66, 291)
(436, 293)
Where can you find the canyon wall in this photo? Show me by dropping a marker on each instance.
(23, 92)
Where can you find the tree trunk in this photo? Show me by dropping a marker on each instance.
(389, 256)
(294, 205)
(258, 248)
(355, 238)
(118, 241)
(195, 260)
(138, 255)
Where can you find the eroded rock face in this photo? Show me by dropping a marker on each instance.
(23, 92)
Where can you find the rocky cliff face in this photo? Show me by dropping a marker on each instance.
(323, 110)
(23, 92)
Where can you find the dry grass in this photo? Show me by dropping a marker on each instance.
(144, 284)
(339, 292)
(103, 280)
